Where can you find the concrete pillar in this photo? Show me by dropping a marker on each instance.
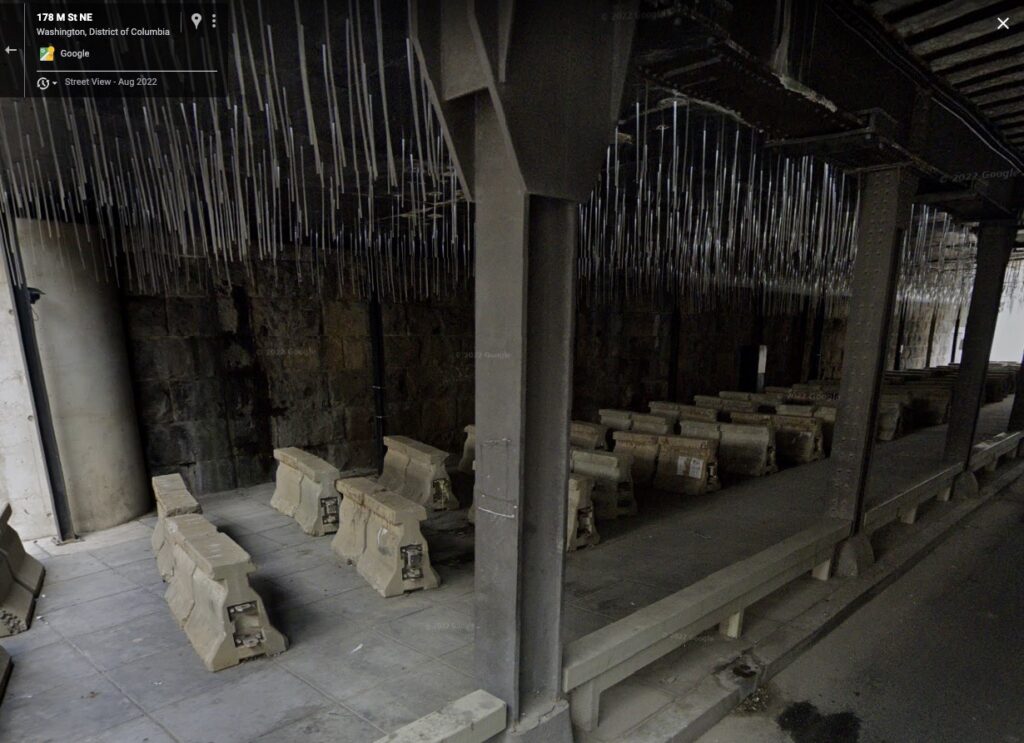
(528, 94)
(995, 243)
(884, 219)
(81, 341)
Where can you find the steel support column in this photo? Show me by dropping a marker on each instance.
(884, 216)
(995, 243)
(528, 93)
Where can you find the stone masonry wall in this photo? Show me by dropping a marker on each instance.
(227, 372)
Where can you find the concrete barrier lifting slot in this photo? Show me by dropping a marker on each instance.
(21, 579)
(305, 490)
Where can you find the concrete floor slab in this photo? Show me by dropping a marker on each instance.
(434, 631)
(72, 711)
(66, 567)
(47, 667)
(80, 590)
(348, 663)
(139, 730)
(241, 709)
(131, 551)
(409, 697)
(137, 638)
(109, 611)
(334, 725)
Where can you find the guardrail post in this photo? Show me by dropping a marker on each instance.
(526, 148)
(883, 221)
(995, 242)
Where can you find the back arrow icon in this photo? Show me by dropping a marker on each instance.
(9, 50)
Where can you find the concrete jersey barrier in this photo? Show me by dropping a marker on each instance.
(21, 579)
(687, 465)
(743, 450)
(305, 491)
(611, 472)
(416, 471)
(395, 558)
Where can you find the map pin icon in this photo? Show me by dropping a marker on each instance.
(197, 18)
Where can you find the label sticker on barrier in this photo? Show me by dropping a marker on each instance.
(412, 562)
(329, 506)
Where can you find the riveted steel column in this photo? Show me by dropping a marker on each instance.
(995, 242)
(883, 220)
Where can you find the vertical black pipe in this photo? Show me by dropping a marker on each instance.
(21, 300)
(956, 336)
(674, 326)
(931, 339)
(377, 360)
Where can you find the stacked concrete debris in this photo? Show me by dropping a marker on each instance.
(207, 576)
(21, 579)
(380, 534)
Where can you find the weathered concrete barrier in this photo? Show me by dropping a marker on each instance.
(21, 578)
(416, 471)
(798, 438)
(580, 526)
(643, 447)
(653, 423)
(612, 474)
(467, 463)
(27, 570)
(687, 465)
(475, 718)
(588, 435)
(743, 450)
(350, 541)
(616, 420)
(209, 594)
(172, 499)
(396, 558)
(305, 491)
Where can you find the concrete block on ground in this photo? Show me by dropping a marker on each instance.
(17, 603)
(743, 450)
(475, 718)
(653, 423)
(27, 570)
(416, 471)
(687, 465)
(798, 438)
(612, 475)
(209, 595)
(173, 497)
(588, 435)
(350, 541)
(580, 525)
(305, 490)
(644, 449)
(182, 527)
(616, 420)
(396, 558)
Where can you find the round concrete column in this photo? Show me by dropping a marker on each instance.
(85, 363)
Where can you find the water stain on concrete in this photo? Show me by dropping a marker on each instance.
(805, 724)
